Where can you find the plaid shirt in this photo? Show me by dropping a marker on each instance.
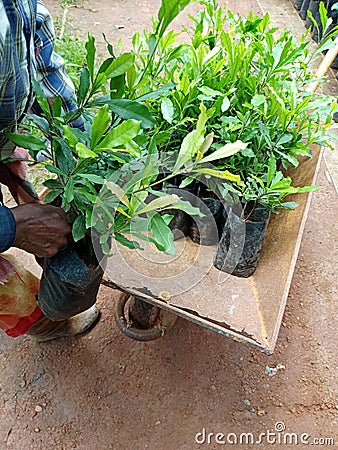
(26, 52)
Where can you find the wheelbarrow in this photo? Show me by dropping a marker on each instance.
(156, 292)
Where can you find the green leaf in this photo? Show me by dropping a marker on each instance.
(53, 184)
(105, 248)
(289, 205)
(289, 158)
(90, 197)
(99, 125)
(79, 228)
(152, 45)
(120, 65)
(131, 78)
(54, 169)
(223, 174)
(119, 135)
(167, 218)
(248, 152)
(287, 137)
(225, 151)
(98, 83)
(157, 93)
(186, 206)
(282, 184)
(92, 178)
(271, 169)
(90, 56)
(159, 203)
(308, 188)
(167, 109)
(57, 106)
(193, 141)
(70, 136)
(131, 109)
(64, 156)
(258, 100)
(189, 147)
(186, 181)
(118, 86)
(127, 242)
(27, 141)
(104, 66)
(138, 225)
(89, 217)
(167, 13)
(41, 98)
(210, 92)
(164, 239)
(52, 195)
(9, 159)
(109, 46)
(83, 151)
(119, 192)
(69, 191)
(225, 104)
(41, 122)
(295, 190)
(84, 85)
(205, 146)
(71, 116)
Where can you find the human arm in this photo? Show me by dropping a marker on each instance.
(50, 67)
(38, 229)
(35, 228)
(7, 228)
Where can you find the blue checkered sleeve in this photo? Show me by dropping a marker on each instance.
(50, 69)
(16, 23)
(26, 51)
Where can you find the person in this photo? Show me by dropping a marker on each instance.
(26, 53)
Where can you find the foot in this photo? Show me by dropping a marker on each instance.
(47, 330)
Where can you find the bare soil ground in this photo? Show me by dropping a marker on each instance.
(105, 391)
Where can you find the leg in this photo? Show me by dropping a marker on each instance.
(19, 313)
(18, 289)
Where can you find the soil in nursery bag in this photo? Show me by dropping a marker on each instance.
(68, 286)
(180, 223)
(206, 230)
(241, 242)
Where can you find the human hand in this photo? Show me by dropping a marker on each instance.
(40, 229)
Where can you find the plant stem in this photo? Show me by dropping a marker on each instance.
(146, 68)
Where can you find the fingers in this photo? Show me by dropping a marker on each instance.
(41, 229)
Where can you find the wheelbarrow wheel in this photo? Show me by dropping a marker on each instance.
(140, 320)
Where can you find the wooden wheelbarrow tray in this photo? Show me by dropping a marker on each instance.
(249, 310)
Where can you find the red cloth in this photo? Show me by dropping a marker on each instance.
(18, 287)
(25, 323)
